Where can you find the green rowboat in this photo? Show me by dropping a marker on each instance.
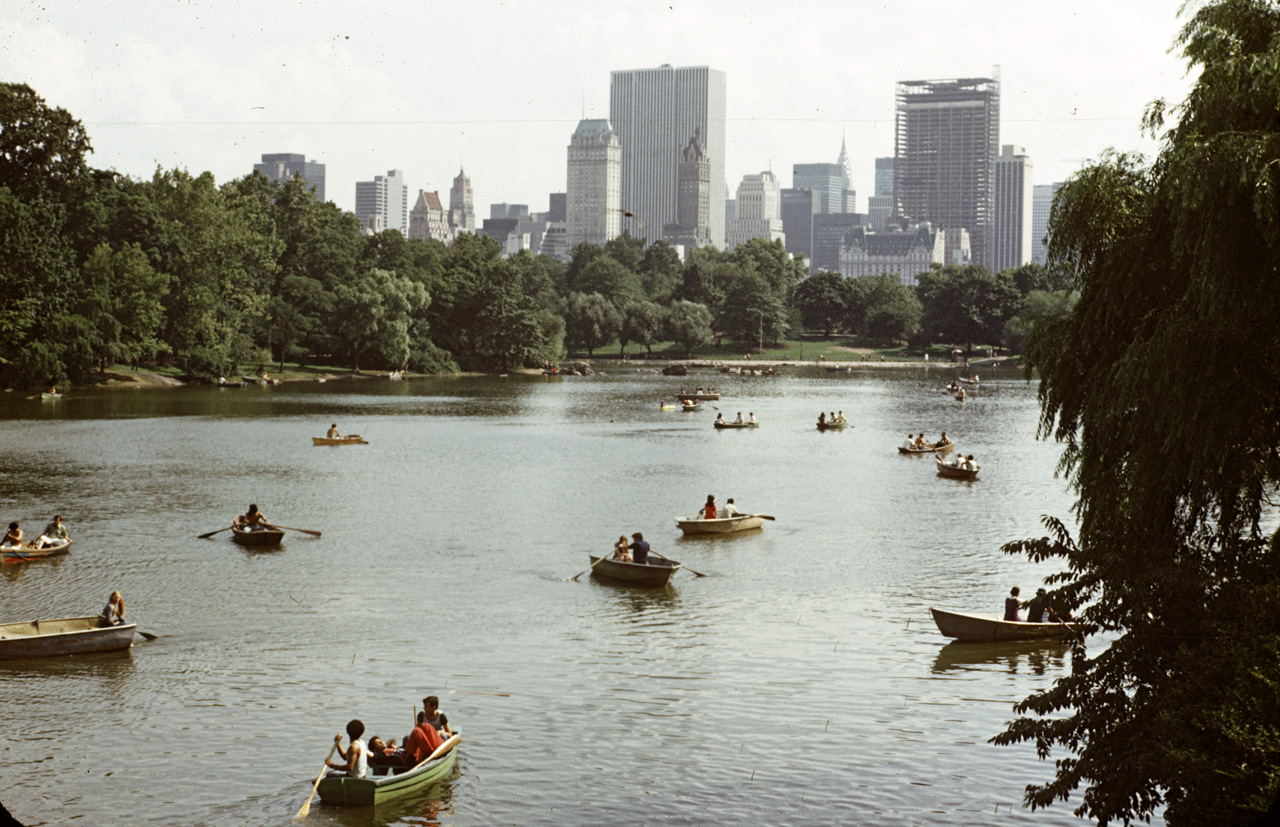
(376, 789)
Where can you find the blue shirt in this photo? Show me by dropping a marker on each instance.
(640, 551)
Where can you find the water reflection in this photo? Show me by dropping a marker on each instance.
(1014, 657)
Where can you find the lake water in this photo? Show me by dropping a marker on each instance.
(801, 682)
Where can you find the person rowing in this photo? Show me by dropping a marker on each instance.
(252, 520)
(333, 432)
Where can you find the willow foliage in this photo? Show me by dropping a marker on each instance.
(1164, 386)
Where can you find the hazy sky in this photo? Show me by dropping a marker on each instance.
(499, 87)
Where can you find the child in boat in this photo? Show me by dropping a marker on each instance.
(356, 755)
(14, 537)
(436, 718)
(622, 550)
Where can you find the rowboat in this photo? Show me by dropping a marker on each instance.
(928, 449)
(695, 524)
(66, 636)
(349, 439)
(838, 425)
(262, 538)
(735, 424)
(696, 406)
(954, 472)
(376, 789)
(698, 397)
(50, 397)
(29, 553)
(990, 627)
(657, 572)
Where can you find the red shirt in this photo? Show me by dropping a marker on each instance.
(708, 512)
(423, 741)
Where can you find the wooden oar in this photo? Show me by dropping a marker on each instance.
(590, 567)
(146, 635)
(211, 533)
(681, 565)
(306, 807)
(443, 748)
(761, 516)
(303, 530)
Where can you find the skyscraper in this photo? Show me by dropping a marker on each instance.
(1041, 206)
(828, 181)
(1012, 225)
(284, 165)
(384, 201)
(880, 205)
(594, 193)
(757, 210)
(692, 228)
(653, 112)
(427, 219)
(462, 211)
(946, 136)
(799, 206)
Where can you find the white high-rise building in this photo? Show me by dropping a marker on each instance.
(593, 204)
(386, 197)
(757, 210)
(653, 112)
(1011, 229)
(1041, 205)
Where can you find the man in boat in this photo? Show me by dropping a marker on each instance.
(730, 510)
(253, 519)
(436, 718)
(739, 420)
(355, 759)
(751, 417)
(943, 441)
(1012, 604)
(920, 444)
(639, 549)
(333, 432)
(112, 614)
(840, 416)
(1037, 607)
(13, 538)
(910, 444)
(969, 464)
(54, 532)
(423, 741)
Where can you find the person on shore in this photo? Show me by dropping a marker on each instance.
(333, 432)
(423, 741)
(436, 718)
(14, 538)
(639, 549)
(356, 756)
(621, 550)
(709, 509)
(1012, 604)
(112, 614)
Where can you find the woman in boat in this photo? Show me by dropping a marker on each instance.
(622, 550)
(709, 510)
(112, 614)
(720, 418)
(1012, 604)
(13, 538)
(356, 756)
(822, 418)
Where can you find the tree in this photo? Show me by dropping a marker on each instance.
(1038, 307)
(642, 323)
(884, 308)
(375, 313)
(752, 310)
(966, 304)
(823, 301)
(689, 325)
(121, 302)
(610, 279)
(1162, 384)
(590, 320)
(42, 149)
(661, 272)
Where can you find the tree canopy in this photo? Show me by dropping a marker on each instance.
(1163, 384)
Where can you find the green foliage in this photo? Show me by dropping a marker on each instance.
(1164, 385)
(752, 311)
(642, 323)
(42, 149)
(590, 320)
(884, 309)
(1038, 307)
(375, 314)
(966, 304)
(823, 300)
(689, 325)
(614, 281)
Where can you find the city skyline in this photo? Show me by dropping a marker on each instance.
(215, 88)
